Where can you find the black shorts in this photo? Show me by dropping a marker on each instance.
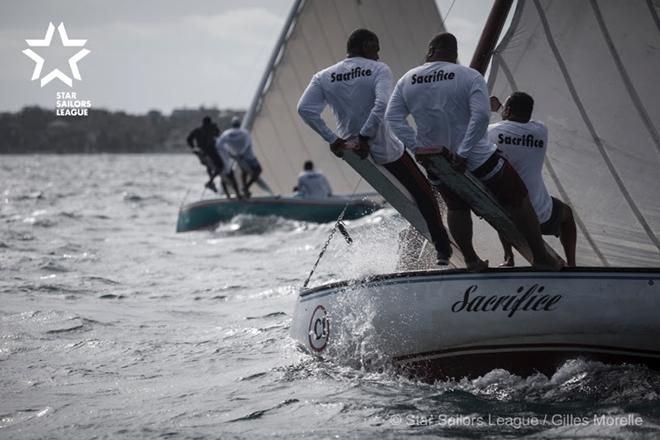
(553, 225)
(506, 185)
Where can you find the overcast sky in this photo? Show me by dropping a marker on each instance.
(163, 54)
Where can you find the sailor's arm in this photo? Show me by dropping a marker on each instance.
(191, 137)
(383, 90)
(311, 105)
(396, 114)
(247, 144)
(479, 117)
(220, 145)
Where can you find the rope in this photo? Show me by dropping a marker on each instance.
(338, 225)
(448, 12)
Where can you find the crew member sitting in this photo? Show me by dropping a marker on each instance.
(524, 142)
(312, 184)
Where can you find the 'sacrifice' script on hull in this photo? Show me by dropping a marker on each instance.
(531, 301)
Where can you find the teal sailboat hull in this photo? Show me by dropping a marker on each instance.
(205, 214)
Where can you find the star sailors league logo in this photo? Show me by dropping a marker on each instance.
(56, 73)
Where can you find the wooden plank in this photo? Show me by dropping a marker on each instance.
(396, 195)
(482, 202)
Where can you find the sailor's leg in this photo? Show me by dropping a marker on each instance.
(460, 226)
(406, 171)
(255, 171)
(224, 188)
(232, 180)
(511, 193)
(508, 252)
(527, 222)
(568, 234)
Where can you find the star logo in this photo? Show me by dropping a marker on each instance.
(56, 73)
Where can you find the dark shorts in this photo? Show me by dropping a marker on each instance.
(506, 185)
(553, 225)
(249, 164)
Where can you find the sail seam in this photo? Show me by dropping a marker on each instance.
(625, 77)
(576, 217)
(578, 102)
(654, 13)
(339, 165)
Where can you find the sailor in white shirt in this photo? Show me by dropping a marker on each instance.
(450, 106)
(236, 143)
(312, 184)
(357, 89)
(524, 143)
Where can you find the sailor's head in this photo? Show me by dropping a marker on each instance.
(206, 121)
(363, 43)
(235, 122)
(443, 47)
(518, 107)
(308, 165)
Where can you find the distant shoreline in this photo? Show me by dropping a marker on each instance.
(36, 130)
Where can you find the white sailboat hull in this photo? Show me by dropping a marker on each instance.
(452, 323)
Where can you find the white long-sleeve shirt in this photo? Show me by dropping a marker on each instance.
(450, 106)
(357, 89)
(525, 145)
(313, 185)
(236, 142)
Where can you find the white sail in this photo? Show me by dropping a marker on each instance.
(313, 38)
(593, 68)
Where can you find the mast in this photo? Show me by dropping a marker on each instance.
(490, 35)
(272, 64)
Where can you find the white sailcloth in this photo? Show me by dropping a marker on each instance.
(314, 38)
(593, 68)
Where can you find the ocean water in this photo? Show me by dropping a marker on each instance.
(113, 326)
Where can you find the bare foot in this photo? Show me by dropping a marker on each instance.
(476, 266)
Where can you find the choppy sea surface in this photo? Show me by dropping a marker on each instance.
(113, 326)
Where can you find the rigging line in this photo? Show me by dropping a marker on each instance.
(654, 13)
(448, 12)
(592, 131)
(332, 234)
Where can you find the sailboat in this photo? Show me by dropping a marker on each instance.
(207, 213)
(592, 68)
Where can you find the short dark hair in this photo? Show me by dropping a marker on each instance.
(206, 120)
(521, 105)
(357, 39)
(445, 43)
(308, 165)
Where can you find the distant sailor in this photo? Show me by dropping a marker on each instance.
(237, 144)
(450, 106)
(202, 142)
(312, 184)
(357, 89)
(524, 142)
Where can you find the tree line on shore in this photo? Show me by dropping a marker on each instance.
(39, 130)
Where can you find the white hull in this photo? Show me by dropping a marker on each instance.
(453, 323)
